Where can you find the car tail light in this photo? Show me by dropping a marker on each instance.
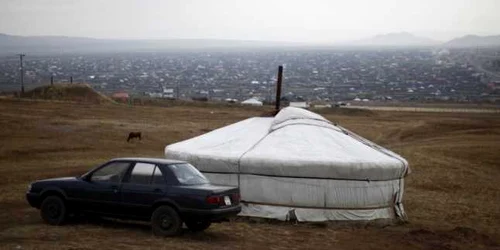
(214, 200)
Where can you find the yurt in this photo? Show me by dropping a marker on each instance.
(300, 166)
(252, 102)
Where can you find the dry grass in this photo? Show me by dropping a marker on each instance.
(452, 196)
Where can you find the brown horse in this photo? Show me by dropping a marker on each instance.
(133, 135)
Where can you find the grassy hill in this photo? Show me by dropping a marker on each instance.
(68, 92)
(451, 197)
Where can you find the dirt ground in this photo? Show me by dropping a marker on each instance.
(452, 196)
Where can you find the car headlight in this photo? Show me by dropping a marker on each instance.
(29, 187)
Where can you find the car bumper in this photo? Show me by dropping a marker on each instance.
(33, 199)
(212, 214)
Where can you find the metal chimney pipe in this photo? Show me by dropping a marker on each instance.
(278, 87)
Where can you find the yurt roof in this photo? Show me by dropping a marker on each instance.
(294, 143)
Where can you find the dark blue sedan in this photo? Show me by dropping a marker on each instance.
(166, 192)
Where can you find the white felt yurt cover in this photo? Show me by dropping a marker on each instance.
(299, 165)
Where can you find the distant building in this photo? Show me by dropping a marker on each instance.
(321, 105)
(494, 85)
(155, 95)
(121, 96)
(168, 93)
(299, 104)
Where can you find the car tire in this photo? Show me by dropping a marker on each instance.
(198, 225)
(165, 221)
(53, 210)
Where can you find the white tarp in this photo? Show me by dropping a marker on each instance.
(298, 162)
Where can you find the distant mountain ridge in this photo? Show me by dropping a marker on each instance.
(10, 44)
(397, 40)
(62, 44)
(474, 41)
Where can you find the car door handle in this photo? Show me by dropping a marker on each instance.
(115, 189)
(157, 190)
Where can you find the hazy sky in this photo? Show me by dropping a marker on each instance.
(276, 20)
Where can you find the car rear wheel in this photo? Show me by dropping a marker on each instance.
(198, 225)
(53, 210)
(165, 221)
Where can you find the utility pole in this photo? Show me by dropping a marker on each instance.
(177, 91)
(22, 73)
(278, 87)
(51, 80)
(71, 79)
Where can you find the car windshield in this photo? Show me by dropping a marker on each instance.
(187, 174)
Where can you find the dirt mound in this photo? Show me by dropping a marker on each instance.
(68, 92)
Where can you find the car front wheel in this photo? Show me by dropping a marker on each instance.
(198, 225)
(165, 221)
(53, 210)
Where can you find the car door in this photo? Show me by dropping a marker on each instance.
(100, 191)
(142, 186)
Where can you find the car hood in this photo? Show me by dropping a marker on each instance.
(61, 179)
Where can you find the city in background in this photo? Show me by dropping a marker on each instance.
(313, 75)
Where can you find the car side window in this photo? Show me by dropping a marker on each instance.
(112, 172)
(158, 177)
(142, 173)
